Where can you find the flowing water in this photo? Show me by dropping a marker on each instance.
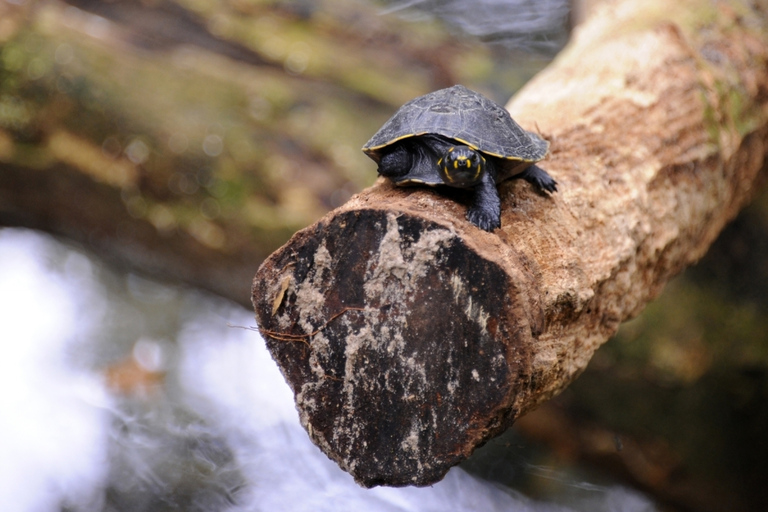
(529, 25)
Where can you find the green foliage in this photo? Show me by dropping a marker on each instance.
(247, 118)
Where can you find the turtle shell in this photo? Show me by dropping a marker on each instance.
(465, 116)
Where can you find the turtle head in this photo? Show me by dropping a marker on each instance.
(461, 167)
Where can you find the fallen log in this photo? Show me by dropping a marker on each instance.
(410, 337)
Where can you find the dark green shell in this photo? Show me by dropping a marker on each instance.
(465, 116)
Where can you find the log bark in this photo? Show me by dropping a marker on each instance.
(410, 337)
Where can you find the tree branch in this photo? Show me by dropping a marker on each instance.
(422, 336)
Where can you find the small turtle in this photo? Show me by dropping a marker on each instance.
(459, 138)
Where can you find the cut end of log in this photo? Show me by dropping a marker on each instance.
(394, 337)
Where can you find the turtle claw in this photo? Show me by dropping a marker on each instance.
(485, 220)
(485, 211)
(539, 178)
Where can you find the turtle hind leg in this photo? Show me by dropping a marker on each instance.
(539, 178)
(485, 211)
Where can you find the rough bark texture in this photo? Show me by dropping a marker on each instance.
(410, 337)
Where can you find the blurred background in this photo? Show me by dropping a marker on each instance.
(152, 153)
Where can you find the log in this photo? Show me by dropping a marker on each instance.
(410, 337)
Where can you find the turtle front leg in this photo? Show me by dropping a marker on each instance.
(485, 211)
(539, 178)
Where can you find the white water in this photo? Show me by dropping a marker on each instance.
(528, 25)
(66, 439)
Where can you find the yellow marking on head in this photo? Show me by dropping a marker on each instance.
(440, 162)
(451, 149)
(468, 163)
(479, 167)
(455, 164)
(447, 175)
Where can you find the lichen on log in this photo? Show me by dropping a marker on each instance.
(410, 337)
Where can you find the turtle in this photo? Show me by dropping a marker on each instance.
(457, 137)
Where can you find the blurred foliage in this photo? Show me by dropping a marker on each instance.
(231, 121)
